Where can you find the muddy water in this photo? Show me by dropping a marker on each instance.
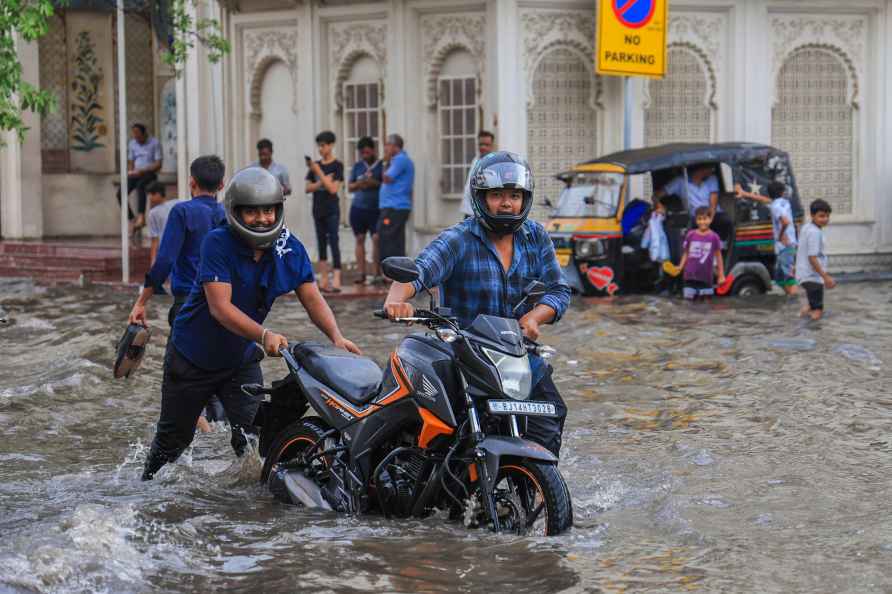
(728, 448)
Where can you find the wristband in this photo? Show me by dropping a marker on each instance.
(263, 336)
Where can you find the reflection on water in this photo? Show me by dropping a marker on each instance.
(728, 447)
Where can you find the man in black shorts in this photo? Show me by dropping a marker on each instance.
(395, 198)
(364, 183)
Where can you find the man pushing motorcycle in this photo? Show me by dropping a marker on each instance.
(244, 266)
(483, 264)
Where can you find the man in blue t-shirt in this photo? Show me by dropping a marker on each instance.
(395, 198)
(365, 182)
(187, 224)
(244, 267)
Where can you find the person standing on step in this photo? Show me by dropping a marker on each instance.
(365, 182)
(324, 180)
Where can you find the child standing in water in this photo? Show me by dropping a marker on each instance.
(811, 261)
(784, 232)
(702, 250)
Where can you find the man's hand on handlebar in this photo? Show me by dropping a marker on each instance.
(399, 310)
(272, 342)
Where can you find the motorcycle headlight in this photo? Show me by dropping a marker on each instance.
(514, 372)
(588, 248)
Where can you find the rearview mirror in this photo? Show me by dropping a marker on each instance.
(400, 269)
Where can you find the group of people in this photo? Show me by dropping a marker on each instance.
(799, 261)
(228, 262)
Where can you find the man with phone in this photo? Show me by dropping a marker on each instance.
(365, 183)
(324, 180)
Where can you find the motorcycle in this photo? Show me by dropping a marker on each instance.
(439, 429)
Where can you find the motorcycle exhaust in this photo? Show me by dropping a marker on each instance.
(298, 489)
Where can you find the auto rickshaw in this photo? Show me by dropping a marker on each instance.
(599, 220)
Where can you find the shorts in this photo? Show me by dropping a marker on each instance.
(363, 220)
(783, 269)
(695, 288)
(815, 294)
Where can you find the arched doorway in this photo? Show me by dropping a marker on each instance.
(561, 124)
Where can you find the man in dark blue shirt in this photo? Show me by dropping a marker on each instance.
(482, 265)
(365, 183)
(244, 267)
(187, 225)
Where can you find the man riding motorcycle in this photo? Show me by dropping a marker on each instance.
(482, 265)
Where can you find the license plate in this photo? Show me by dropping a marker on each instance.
(516, 407)
(563, 259)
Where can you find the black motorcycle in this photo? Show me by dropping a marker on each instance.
(439, 429)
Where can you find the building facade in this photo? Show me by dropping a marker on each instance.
(811, 77)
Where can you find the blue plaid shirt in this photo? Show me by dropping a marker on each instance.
(465, 264)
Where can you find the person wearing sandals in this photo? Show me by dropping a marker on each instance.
(365, 184)
(324, 180)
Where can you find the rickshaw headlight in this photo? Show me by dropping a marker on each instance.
(589, 248)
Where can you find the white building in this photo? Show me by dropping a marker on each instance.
(813, 77)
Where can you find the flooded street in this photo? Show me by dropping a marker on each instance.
(729, 447)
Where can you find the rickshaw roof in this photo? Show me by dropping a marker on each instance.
(681, 154)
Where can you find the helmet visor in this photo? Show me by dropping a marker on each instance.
(503, 175)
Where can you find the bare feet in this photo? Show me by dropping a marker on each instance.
(203, 425)
(816, 314)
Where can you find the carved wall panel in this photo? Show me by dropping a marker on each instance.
(347, 43)
(677, 109)
(545, 30)
(53, 52)
(561, 124)
(444, 34)
(812, 120)
(263, 46)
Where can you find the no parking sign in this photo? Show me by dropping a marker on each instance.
(631, 38)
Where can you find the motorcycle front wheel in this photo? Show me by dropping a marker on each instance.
(532, 499)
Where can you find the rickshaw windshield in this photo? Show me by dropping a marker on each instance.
(590, 195)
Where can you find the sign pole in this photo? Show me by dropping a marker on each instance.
(122, 133)
(627, 113)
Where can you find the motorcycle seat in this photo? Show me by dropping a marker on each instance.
(355, 378)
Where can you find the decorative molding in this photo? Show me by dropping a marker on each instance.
(347, 43)
(444, 34)
(844, 36)
(545, 30)
(262, 48)
(709, 98)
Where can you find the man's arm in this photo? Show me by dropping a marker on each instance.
(321, 315)
(713, 203)
(397, 302)
(829, 281)
(741, 193)
(153, 250)
(168, 250)
(435, 265)
(219, 298)
(393, 171)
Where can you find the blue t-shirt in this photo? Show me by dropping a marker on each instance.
(255, 285)
(366, 199)
(398, 193)
(187, 225)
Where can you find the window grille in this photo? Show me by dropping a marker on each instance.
(458, 112)
(362, 117)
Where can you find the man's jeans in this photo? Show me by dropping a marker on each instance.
(545, 430)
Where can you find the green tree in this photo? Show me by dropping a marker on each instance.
(30, 20)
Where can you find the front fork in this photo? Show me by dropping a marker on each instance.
(480, 458)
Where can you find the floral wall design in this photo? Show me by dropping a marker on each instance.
(87, 125)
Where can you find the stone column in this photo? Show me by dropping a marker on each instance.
(505, 90)
(21, 183)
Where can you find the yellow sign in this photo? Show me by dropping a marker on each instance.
(631, 38)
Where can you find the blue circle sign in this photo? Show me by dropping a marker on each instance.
(634, 13)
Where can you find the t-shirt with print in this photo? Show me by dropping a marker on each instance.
(702, 249)
(780, 208)
(811, 243)
(324, 202)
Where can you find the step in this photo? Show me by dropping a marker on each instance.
(73, 250)
(27, 261)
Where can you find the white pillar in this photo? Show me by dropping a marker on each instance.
(506, 93)
(21, 181)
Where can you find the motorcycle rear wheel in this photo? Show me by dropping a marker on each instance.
(532, 499)
(291, 441)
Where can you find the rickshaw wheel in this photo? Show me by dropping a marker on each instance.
(748, 287)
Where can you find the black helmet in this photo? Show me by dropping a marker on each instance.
(501, 169)
(255, 186)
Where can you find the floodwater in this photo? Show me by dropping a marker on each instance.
(729, 447)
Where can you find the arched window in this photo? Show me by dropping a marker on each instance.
(812, 120)
(458, 111)
(678, 110)
(561, 124)
(362, 106)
